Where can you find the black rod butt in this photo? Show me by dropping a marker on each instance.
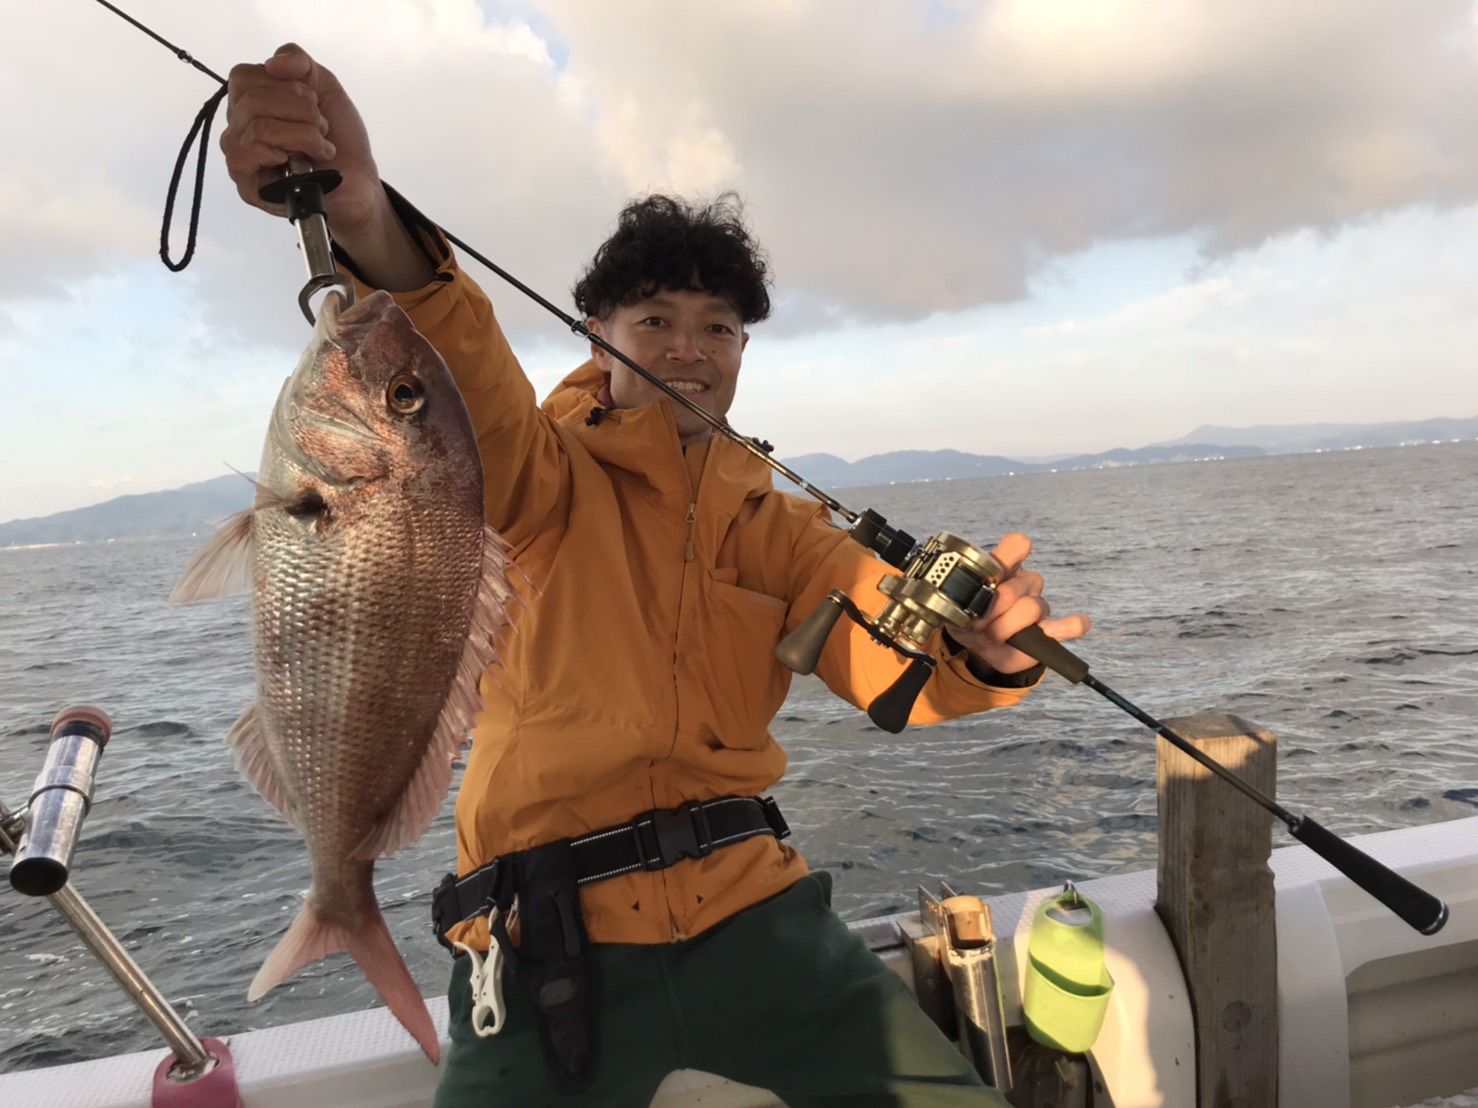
(1417, 907)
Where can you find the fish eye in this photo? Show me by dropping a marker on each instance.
(405, 394)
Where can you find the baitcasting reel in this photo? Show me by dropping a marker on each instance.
(947, 582)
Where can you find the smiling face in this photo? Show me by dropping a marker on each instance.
(692, 340)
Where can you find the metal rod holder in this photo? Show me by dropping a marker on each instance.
(193, 1060)
(957, 980)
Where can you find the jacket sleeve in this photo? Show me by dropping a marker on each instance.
(525, 465)
(857, 668)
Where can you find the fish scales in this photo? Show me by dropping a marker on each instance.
(378, 599)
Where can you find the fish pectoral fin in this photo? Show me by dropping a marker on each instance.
(249, 751)
(417, 806)
(222, 566)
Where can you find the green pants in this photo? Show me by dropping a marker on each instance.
(781, 996)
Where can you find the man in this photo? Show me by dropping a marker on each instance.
(661, 569)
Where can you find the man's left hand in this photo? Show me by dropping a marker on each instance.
(1018, 604)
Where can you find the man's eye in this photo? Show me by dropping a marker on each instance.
(652, 321)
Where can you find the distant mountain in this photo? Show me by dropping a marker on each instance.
(193, 509)
(1334, 436)
(829, 471)
(197, 508)
(899, 466)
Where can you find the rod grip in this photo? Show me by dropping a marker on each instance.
(1051, 653)
(1417, 907)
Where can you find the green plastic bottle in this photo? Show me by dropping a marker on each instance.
(1067, 984)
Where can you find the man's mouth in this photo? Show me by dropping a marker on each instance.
(688, 387)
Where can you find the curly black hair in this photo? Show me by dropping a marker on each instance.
(662, 242)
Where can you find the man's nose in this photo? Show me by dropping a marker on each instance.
(686, 346)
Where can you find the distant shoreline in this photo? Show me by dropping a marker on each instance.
(196, 510)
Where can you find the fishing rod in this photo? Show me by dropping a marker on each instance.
(944, 582)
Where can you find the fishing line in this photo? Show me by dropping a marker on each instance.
(945, 581)
(201, 127)
(203, 118)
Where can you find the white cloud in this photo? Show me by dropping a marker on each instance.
(1365, 325)
(899, 159)
(938, 186)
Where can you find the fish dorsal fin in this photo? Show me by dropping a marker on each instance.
(422, 798)
(222, 566)
(249, 751)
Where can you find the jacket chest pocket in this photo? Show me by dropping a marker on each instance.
(733, 660)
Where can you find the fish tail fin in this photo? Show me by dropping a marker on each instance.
(374, 950)
(313, 936)
(310, 938)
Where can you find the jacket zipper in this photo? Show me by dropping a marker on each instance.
(689, 555)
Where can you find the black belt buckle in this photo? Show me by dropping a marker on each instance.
(680, 832)
(443, 905)
(774, 818)
(458, 899)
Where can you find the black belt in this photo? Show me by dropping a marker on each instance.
(653, 840)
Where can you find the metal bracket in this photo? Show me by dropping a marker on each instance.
(956, 980)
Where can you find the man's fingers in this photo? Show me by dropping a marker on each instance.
(265, 98)
(1025, 612)
(1022, 583)
(282, 134)
(1012, 550)
(290, 60)
(267, 143)
(1074, 626)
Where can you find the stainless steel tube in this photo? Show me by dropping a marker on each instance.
(60, 800)
(193, 1059)
(970, 959)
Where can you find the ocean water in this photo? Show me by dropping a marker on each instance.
(1332, 598)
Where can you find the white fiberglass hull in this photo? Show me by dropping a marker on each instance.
(1371, 1014)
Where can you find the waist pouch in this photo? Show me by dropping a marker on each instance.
(552, 963)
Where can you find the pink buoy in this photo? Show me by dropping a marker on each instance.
(216, 1089)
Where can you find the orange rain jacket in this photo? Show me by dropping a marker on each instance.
(641, 672)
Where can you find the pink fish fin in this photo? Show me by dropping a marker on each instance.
(490, 623)
(491, 619)
(423, 797)
(222, 566)
(372, 948)
(313, 936)
(310, 938)
(249, 751)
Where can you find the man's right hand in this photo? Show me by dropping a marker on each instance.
(292, 105)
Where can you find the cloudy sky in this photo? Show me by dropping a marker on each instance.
(1022, 227)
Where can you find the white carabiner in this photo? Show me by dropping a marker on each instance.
(487, 984)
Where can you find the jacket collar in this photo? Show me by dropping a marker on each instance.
(644, 441)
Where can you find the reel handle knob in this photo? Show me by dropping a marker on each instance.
(891, 707)
(1051, 653)
(800, 650)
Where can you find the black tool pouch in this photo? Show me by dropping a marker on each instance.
(553, 963)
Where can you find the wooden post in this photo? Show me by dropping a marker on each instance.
(1216, 900)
